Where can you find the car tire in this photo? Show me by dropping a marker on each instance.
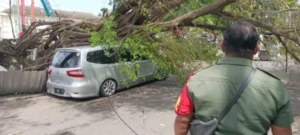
(161, 75)
(263, 56)
(108, 88)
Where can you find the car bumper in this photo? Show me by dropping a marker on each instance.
(82, 90)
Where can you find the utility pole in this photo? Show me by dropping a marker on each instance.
(286, 61)
(23, 15)
(21, 33)
(32, 11)
(286, 52)
(10, 19)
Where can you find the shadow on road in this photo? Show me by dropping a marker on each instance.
(154, 95)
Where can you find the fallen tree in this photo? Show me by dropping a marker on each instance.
(136, 24)
(53, 35)
(69, 34)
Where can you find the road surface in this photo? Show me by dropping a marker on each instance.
(146, 109)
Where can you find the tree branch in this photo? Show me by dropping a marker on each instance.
(286, 48)
(159, 8)
(126, 6)
(207, 26)
(187, 19)
(295, 38)
(276, 32)
(280, 11)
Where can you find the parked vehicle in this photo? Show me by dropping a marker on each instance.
(81, 72)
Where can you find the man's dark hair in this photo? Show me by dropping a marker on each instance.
(240, 37)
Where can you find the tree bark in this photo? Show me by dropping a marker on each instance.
(287, 49)
(282, 33)
(187, 18)
(69, 33)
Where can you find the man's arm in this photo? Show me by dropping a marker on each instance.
(181, 125)
(281, 131)
(282, 123)
(184, 109)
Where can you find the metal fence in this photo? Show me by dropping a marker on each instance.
(22, 82)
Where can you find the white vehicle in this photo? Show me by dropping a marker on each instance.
(82, 72)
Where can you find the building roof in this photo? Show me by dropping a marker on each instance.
(40, 12)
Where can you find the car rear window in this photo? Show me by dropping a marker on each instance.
(66, 59)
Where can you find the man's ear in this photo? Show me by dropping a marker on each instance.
(256, 50)
(222, 46)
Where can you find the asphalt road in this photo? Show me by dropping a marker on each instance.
(146, 109)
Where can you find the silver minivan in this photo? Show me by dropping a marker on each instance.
(81, 72)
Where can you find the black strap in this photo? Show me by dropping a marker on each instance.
(238, 94)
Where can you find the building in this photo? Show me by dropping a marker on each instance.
(40, 15)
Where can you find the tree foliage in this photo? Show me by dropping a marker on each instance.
(152, 29)
(167, 51)
(158, 40)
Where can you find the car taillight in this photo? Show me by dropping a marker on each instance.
(75, 73)
(49, 71)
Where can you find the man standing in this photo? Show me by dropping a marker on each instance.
(264, 104)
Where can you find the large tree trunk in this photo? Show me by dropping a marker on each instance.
(69, 33)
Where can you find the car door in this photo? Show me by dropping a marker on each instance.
(114, 70)
(95, 69)
(146, 70)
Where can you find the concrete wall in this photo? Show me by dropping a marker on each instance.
(22, 82)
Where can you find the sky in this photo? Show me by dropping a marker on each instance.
(91, 6)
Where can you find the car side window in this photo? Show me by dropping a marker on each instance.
(126, 56)
(100, 57)
(93, 57)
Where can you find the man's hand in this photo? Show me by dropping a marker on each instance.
(281, 131)
(182, 123)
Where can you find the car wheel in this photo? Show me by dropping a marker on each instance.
(161, 75)
(263, 56)
(108, 88)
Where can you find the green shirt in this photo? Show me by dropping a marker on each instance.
(265, 101)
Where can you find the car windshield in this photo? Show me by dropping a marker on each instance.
(66, 59)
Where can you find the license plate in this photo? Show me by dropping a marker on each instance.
(59, 91)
